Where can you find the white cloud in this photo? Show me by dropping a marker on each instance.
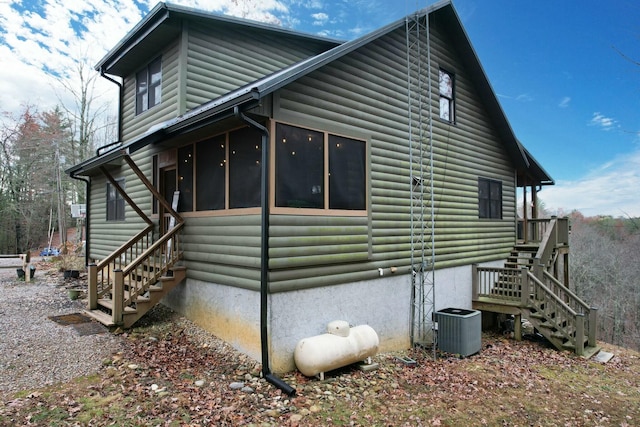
(320, 18)
(564, 103)
(611, 189)
(45, 43)
(524, 97)
(600, 120)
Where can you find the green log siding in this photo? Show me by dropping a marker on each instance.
(221, 59)
(210, 61)
(365, 92)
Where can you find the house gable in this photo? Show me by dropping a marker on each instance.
(203, 56)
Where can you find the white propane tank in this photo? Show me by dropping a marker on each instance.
(341, 346)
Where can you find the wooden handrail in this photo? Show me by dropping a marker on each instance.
(124, 247)
(583, 305)
(550, 294)
(151, 249)
(572, 318)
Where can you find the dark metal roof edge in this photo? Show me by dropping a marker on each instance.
(161, 12)
(152, 20)
(96, 161)
(486, 89)
(542, 175)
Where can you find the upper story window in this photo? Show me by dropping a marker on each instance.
(115, 201)
(489, 198)
(447, 102)
(149, 86)
(318, 170)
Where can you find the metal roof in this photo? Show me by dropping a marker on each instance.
(163, 24)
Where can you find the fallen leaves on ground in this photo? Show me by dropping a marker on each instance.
(166, 376)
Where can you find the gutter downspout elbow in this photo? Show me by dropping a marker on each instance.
(120, 100)
(264, 256)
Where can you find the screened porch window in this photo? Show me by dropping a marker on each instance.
(218, 173)
(489, 198)
(308, 161)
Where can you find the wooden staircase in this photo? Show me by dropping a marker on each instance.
(527, 288)
(136, 276)
(122, 289)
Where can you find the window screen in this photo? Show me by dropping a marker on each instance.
(245, 156)
(299, 167)
(210, 173)
(115, 202)
(346, 173)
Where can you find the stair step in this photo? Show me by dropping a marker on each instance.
(527, 247)
(107, 303)
(100, 316)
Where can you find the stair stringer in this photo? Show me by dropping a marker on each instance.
(156, 293)
(157, 290)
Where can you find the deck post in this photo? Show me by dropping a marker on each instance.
(118, 296)
(593, 326)
(579, 334)
(92, 287)
(475, 290)
(517, 327)
(524, 286)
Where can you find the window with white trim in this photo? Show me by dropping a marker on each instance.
(446, 85)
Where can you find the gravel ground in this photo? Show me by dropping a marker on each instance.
(34, 350)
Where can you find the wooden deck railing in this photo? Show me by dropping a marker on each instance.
(129, 272)
(571, 316)
(575, 302)
(101, 275)
(556, 234)
(555, 311)
(537, 229)
(496, 283)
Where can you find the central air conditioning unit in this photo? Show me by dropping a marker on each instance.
(459, 331)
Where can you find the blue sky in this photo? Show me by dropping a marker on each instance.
(563, 71)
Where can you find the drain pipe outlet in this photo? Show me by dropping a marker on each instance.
(264, 256)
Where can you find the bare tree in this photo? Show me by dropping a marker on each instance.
(605, 272)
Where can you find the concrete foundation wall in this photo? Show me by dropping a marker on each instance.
(233, 314)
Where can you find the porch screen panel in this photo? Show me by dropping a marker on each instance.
(245, 156)
(185, 178)
(299, 167)
(346, 173)
(210, 173)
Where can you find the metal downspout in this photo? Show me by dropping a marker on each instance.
(264, 256)
(87, 193)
